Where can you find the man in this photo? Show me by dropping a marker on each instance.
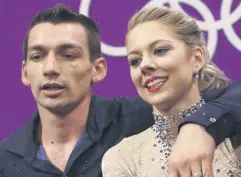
(72, 128)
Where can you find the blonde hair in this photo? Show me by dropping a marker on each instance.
(211, 76)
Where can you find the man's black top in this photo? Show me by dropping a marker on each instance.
(108, 123)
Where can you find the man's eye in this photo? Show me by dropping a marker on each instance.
(35, 56)
(69, 56)
(160, 51)
(135, 62)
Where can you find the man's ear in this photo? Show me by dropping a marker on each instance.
(24, 75)
(100, 70)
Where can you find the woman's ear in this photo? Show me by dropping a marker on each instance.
(198, 59)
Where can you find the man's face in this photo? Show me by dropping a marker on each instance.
(58, 68)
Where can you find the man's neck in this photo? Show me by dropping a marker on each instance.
(55, 129)
(59, 134)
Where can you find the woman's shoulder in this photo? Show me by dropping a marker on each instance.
(131, 143)
(125, 149)
(121, 159)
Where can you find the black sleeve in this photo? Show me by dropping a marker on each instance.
(221, 115)
(136, 113)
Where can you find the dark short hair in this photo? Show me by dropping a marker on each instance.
(61, 14)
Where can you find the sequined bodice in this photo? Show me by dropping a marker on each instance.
(146, 154)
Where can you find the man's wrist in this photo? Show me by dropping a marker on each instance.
(222, 129)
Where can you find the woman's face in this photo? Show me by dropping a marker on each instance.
(161, 64)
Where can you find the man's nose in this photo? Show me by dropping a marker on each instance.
(51, 65)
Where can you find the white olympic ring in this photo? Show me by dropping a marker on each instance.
(225, 23)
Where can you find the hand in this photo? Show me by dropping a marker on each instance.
(192, 152)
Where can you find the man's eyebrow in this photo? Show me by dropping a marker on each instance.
(70, 46)
(36, 47)
(64, 46)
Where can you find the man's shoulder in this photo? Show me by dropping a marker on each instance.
(2, 146)
(137, 100)
(6, 142)
(133, 104)
(130, 113)
(18, 139)
(125, 105)
(3, 150)
(2, 153)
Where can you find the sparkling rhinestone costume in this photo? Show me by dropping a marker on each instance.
(146, 154)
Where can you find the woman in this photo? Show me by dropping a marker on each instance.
(169, 66)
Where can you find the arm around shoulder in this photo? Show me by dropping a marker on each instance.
(221, 114)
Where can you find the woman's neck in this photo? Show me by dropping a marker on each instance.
(180, 104)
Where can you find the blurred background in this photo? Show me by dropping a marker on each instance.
(219, 19)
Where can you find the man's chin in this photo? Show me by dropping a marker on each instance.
(52, 106)
(57, 107)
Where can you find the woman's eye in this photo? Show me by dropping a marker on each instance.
(135, 62)
(160, 51)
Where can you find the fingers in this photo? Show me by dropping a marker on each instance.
(173, 173)
(204, 166)
(172, 168)
(196, 167)
(207, 168)
(182, 170)
(192, 154)
(185, 172)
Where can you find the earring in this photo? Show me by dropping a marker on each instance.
(196, 75)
